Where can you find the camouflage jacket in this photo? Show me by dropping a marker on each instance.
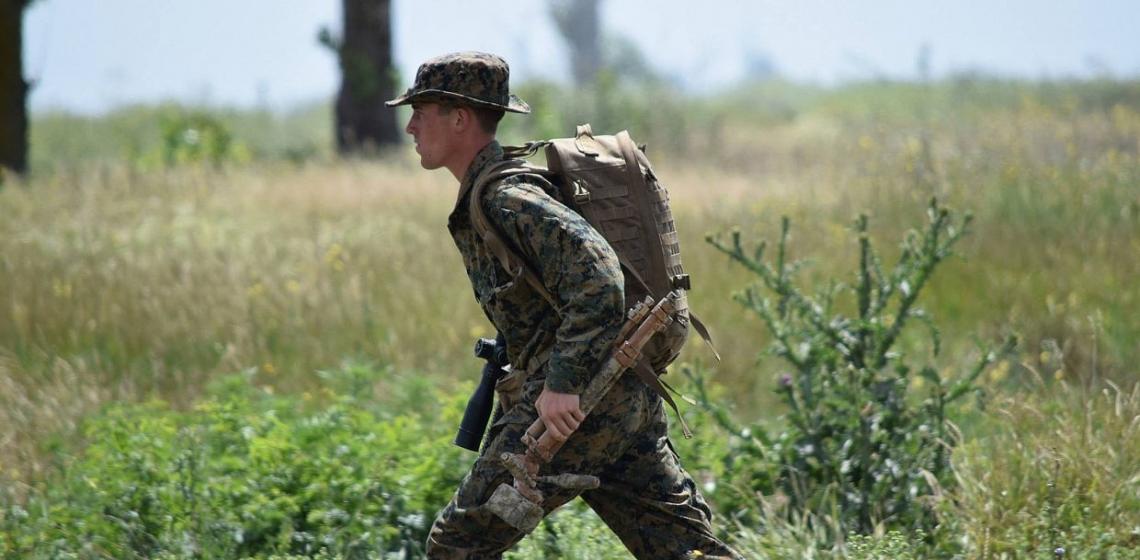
(574, 262)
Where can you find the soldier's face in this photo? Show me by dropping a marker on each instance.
(432, 131)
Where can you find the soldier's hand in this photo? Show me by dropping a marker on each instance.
(559, 412)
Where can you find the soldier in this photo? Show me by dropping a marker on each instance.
(646, 497)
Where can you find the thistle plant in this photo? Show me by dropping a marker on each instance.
(855, 445)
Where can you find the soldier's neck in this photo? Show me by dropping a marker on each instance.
(465, 154)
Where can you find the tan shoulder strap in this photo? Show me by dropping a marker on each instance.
(514, 264)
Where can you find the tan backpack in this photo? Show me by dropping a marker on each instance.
(609, 181)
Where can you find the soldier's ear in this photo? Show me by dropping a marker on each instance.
(463, 118)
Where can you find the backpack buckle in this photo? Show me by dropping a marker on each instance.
(581, 194)
(682, 282)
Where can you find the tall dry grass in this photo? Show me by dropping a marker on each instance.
(120, 284)
(1062, 471)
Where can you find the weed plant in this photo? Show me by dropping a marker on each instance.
(857, 444)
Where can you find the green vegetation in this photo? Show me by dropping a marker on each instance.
(138, 274)
(853, 443)
(145, 137)
(245, 473)
(1062, 470)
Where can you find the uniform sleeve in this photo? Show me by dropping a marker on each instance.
(580, 270)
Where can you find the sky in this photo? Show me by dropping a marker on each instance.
(89, 56)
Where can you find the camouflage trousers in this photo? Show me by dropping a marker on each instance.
(646, 498)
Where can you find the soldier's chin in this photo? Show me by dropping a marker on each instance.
(428, 165)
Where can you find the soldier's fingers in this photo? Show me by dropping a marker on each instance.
(557, 429)
(551, 422)
(568, 424)
(578, 415)
(572, 421)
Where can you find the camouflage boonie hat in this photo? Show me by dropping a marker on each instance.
(477, 78)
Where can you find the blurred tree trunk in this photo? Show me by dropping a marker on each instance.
(13, 88)
(363, 123)
(579, 23)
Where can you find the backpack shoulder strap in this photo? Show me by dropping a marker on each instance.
(511, 261)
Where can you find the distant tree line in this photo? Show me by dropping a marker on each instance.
(363, 49)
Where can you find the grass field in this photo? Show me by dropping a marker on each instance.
(122, 282)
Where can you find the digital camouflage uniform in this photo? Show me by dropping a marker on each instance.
(645, 497)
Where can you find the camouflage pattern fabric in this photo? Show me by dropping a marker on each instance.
(573, 261)
(646, 498)
(478, 78)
